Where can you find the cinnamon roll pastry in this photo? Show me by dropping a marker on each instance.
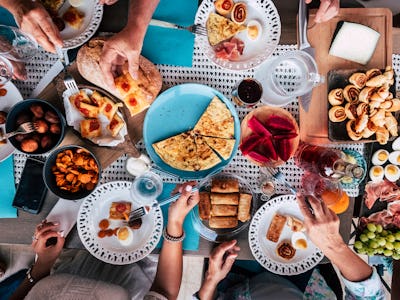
(351, 131)
(239, 13)
(285, 250)
(391, 124)
(395, 105)
(361, 123)
(358, 80)
(382, 135)
(337, 114)
(372, 73)
(223, 7)
(335, 97)
(365, 94)
(350, 93)
(351, 111)
(369, 130)
(362, 108)
(377, 81)
(378, 117)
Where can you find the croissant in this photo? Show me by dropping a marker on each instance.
(365, 94)
(337, 114)
(372, 73)
(358, 80)
(391, 124)
(382, 135)
(362, 108)
(350, 93)
(385, 104)
(376, 97)
(369, 130)
(375, 104)
(377, 81)
(355, 136)
(361, 122)
(389, 73)
(378, 117)
(335, 97)
(395, 105)
(351, 111)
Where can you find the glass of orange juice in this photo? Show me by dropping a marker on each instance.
(326, 190)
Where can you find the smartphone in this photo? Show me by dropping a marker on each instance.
(31, 190)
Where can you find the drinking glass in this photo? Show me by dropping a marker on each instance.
(16, 45)
(247, 92)
(146, 188)
(6, 70)
(322, 188)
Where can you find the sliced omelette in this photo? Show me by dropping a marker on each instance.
(223, 147)
(220, 28)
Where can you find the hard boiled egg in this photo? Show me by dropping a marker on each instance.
(394, 157)
(392, 172)
(125, 236)
(396, 144)
(254, 30)
(299, 240)
(380, 157)
(376, 173)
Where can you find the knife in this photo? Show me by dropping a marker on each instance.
(305, 46)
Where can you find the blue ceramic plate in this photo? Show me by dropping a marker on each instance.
(359, 159)
(177, 110)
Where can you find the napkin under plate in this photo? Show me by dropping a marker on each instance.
(7, 188)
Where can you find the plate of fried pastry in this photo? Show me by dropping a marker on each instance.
(278, 240)
(362, 105)
(191, 130)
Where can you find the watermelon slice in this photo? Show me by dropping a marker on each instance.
(250, 143)
(284, 148)
(278, 123)
(258, 157)
(285, 136)
(266, 148)
(257, 127)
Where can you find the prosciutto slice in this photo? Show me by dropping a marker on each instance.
(387, 218)
(384, 191)
(230, 49)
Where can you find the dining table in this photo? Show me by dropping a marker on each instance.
(19, 230)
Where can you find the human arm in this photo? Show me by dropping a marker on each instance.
(33, 19)
(46, 256)
(127, 44)
(327, 10)
(169, 270)
(219, 265)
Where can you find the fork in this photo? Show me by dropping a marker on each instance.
(24, 128)
(278, 176)
(69, 81)
(195, 28)
(144, 210)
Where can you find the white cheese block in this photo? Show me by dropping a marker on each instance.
(355, 42)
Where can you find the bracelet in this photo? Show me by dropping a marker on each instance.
(171, 238)
(29, 275)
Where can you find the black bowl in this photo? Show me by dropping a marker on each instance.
(21, 110)
(50, 179)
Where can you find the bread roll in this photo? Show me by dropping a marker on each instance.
(224, 185)
(223, 222)
(224, 210)
(228, 199)
(244, 207)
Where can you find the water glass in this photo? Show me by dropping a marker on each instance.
(16, 45)
(146, 188)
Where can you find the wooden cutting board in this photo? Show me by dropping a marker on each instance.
(314, 123)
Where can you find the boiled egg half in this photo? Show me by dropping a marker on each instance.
(392, 172)
(125, 236)
(376, 173)
(394, 157)
(254, 30)
(299, 240)
(380, 157)
(396, 144)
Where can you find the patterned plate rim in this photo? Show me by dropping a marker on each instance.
(272, 19)
(269, 264)
(98, 251)
(90, 30)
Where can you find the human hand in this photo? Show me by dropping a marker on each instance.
(322, 224)
(19, 71)
(327, 10)
(108, 2)
(44, 231)
(116, 51)
(33, 19)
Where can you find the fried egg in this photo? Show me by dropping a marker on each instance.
(392, 172)
(125, 236)
(394, 157)
(376, 173)
(380, 157)
(299, 240)
(396, 144)
(254, 30)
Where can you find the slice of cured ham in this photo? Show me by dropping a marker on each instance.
(230, 49)
(384, 191)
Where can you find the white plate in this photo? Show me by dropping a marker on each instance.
(264, 250)
(93, 14)
(74, 119)
(255, 52)
(96, 207)
(6, 102)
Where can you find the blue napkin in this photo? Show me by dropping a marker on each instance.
(7, 189)
(191, 241)
(6, 18)
(171, 46)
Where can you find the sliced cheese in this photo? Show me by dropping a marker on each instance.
(355, 42)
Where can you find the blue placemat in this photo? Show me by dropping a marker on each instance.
(191, 241)
(171, 46)
(6, 18)
(7, 189)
